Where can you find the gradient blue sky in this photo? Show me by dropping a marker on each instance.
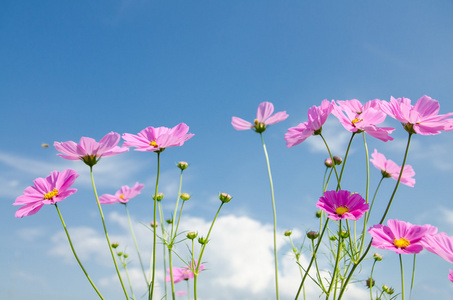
(87, 68)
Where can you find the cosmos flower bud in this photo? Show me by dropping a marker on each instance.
(120, 253)
(370, 282)
(185, 196)
(288, 232)
(344, 234)
(154, 225)
(115, 245)
(388, 290)
(169, 221)
(192, 235)
(337, 160)
(319, 214)
(125, 255)
(332, 238)
(312, 235)
(328, 162)
(224, 197)
(159, 196)
(183, 165)
(202, 240)
(377, 256)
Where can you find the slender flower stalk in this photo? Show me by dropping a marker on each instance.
(153, 276)
(75, 255)
(402, 277)
(106, 233)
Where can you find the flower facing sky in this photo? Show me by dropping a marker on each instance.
(342, 205)
(49, 190)
(157, 139)
(390, 169)
(264, 118)
(399, 236)
(180, 274)
(90, 151)
(317, 116)
(356, 117)
(123, 195)
(421, 118)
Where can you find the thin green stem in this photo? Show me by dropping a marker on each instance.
(344, 160)
(154, 231)
(128, 278)
(413, 275)
(402, 277)
(331, 157)
(75, 255)
(371, 280)
(135, 243)
(335, 271)
(275, 216)
(106, 234)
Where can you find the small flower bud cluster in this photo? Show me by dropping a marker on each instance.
(183, 165)
(312, 235)
(377, 257)
(192, 235)
(388, 290)
(224, 197)
(288, 232)
(185, 196)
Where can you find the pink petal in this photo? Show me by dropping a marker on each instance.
(240, 124)
(265, 109)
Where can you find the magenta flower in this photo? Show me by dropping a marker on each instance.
(422, 118)
(342, 205)
(390, 169)
(157, 139)
(90, 151)
(49, 190)
(123, 195)
(264, 118)
(357, 118)
(317, 116)
(399, 236)
(185, 273)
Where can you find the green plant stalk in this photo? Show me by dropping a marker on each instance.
(154, 231)
(382, 220)
(333, 164)
(196, 268)
(402, 277)
(135, 243)
(106, 234)
(340, 242)
(371, 280)
(365, 219)
(413, 275)
(128, 279)
(344, 160)
(275, 216)
(317, 269)
(75, 255)
(164, 244)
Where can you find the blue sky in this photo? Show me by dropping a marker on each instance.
(87, 68)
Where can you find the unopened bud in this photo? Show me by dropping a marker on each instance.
(158, 197)
(183, 165)
(377, 257)
(115, 245)
(388, 290)
(332, 238)
(369, 282)
(312, 235)
(344, 234)
(185, 196)
(288, 232)
(318, 214)
(202, 240)
(224, 197)
(120, 253)
(125, 256)
(169, 221)
(337, 160)
(192, 235)
(328, 162)
(154, 224)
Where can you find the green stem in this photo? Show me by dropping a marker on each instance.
(75, 255)
(275, 216)
(331, 158)
(154, 231)
(135, 243)
(106, 234)
(371, 280)
(344, 160)
(402, 277)
(340, 242)
(413, 275)
(128, 278)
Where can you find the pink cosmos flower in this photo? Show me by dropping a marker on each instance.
(342, 205)
(90, 151)
(442, 245)
(157, 139)
(357, 118)
(422, 118)
(49, 190)
(317, 116)
(123, 195)
(390, 169)
(399, 236)
(181, 293)
(264, 118)
(185, 273)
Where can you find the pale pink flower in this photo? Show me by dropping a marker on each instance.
(157, 139)
(442, 245)
(390, 169)
(317, 116)
(90, 151)
(399, 236)
(342, 205)
(123, 195)
(357, 118)
(49, 190)
(264, 118)
(185, 273)
(422, 118)
(181, 293)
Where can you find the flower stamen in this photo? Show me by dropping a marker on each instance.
(154, 144)
(51, 194)
(401, 243)
(341, 210)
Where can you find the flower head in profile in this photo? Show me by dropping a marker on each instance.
(90, 151)
(440, 244)
(399, 236)
(49, 190)
(356, 117)
(123, 195)
(421, 118)
(264, 118)
(390, 169)
(185, 273)
(157, 139)
(342, 205)
(317, 116)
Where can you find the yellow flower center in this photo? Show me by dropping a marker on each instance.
(154, 144)
(122, 197)
(356, 120)
(401, 243)
(51, 194)
(341, 210)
